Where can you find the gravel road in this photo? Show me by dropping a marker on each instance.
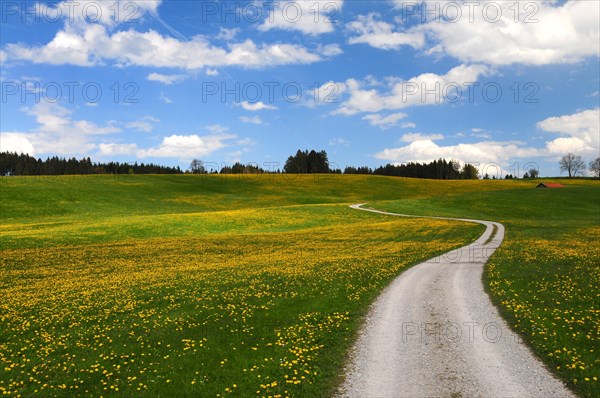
(434, 332)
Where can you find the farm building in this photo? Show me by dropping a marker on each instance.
(549, 185)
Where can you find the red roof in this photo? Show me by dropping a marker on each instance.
(549, 185)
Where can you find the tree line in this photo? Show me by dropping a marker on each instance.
(302, 162)
(23, 164)
(308, 162)
(438, 169)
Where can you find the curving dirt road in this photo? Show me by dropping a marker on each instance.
(434, 332)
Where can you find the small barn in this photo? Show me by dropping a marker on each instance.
(549, 185)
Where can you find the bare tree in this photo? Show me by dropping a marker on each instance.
(595, 167)
(572, 164)
(534, 173)
(197, 167)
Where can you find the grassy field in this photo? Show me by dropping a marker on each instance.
(545, 278)
(255, 285)
(194, 286)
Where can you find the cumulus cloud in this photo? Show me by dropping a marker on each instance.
(93, 45)
(384, 122)
(55, 119)
(555, 33)
(379, 34)
(399, 94)
(117, 149)
(107, 13)
(309, 17)
(256, 106)
(480, 153)
(187, 146)
(57, 132)
(16, 142)
(582, 130)
(545, 32)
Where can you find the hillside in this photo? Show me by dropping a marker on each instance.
(217, 284)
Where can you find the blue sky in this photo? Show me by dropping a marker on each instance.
(503, 85)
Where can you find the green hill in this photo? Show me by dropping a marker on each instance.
(187, 285)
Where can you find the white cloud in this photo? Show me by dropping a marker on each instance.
(411, 137)
(309, 17)
(146, 124)
(256, 106)
(166, 79)
(563, 33)
(217, 129)
(54, 118)
(3, 56)
(480, 133)
(251, 120)
(384, 122)
(117, 149)
(227, 34)
(165, 99)
(545, 32)
(380, 34)
(58, 133)
(246, 143)
(108, 13)
(329, 50)
(328, 93)
(408, 125)
(212, 72)
(187, 146)
(339, 142)
(487, 152)
(93, 45)
(582, 132)
(412, 92)
(16, 142)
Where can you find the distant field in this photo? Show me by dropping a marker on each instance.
(256, 285)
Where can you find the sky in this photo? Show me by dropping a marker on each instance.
(504, 85)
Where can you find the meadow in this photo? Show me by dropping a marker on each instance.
(193, 286)
(545, 278)
(256, 285)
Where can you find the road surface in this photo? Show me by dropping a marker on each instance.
(434, 332)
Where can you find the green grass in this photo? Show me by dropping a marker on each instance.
(191, 284)
(545, 278)
(195, 286)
